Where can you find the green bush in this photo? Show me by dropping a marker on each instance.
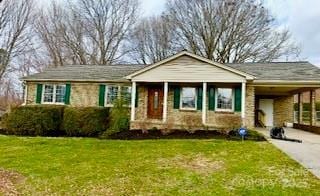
(119, 118)
(34, 120)
(85, 121)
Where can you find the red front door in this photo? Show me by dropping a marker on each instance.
(155, 102)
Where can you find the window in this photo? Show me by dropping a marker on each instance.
(188, 98)
(225, 99)
(60, 93)
(126, 94)
(54, 93)
(111, 94)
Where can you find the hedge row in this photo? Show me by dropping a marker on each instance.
(47, 120)
(87, 121)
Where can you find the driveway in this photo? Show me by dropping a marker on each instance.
(306, 153)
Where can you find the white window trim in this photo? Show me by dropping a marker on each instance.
(54, 94)
(216, 101)
(196, 99)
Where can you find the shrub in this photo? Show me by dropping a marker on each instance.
(85, 121)
(34, 120)
(119, 118)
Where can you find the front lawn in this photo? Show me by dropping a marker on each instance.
(45, 166)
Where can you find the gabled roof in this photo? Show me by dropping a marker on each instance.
(260, 72)
(109, 73)
(292, 71)
(236, 71)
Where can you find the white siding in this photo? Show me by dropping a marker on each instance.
(187, 69)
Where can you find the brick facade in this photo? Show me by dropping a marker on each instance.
(87, 94)
(82, 94)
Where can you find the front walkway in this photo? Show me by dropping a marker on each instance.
(306, 153)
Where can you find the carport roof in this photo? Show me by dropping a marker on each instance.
(294, 71)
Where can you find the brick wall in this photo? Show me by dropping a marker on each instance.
(82, 94)
(31, 93)
(250, 107)
(283, 110)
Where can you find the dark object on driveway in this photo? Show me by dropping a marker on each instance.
(278, 133)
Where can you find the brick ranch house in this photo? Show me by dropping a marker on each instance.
(182, 91)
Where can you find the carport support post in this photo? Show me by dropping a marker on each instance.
(300, 108)
(312, 108)
(133, 100)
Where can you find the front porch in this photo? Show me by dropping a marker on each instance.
(162, 105)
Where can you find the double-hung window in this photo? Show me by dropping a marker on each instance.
(111, 94)
(114, 92)
(126, 95)
(53, 93)
(188, 99)
(224, 99)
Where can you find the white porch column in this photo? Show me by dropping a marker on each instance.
(243, 101)
(204, 103)
(165, 102)
(133, 100)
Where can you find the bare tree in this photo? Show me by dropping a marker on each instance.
(152, 40)
(15, 38)
(87, 31)
(228, 30)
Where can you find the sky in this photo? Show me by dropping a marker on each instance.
(301, 17)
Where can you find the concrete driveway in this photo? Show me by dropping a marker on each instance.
(306, 153)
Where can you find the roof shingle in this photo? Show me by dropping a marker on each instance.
(262, 71)
(279, 70)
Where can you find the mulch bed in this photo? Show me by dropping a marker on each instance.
(179, 134)
(8, 180)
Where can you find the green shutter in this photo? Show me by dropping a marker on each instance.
(199, 99)
(237, 99)
(137, 97)
(212, 98)
(102, 90)
(39, 93)
(67, 94)
(176, 97)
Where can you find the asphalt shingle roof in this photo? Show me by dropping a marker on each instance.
(280, 70)
(262, 71)
(86, 73)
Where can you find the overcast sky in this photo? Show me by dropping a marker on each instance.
(301, 17)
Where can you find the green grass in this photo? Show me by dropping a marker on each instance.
(163, 167)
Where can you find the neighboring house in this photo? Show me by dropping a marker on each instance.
(182, 91)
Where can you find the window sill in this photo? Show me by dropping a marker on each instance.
(51, 103)
(187, 110)
(224, 112)
(111, 106)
